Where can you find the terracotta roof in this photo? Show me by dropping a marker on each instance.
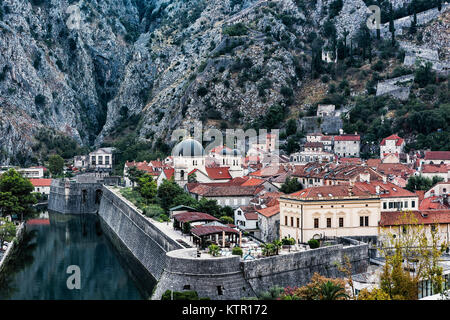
(437, 155)
(433, 203)
(143, 166)
(420, 194)
(313, 145)
(350, 160)
(393, 218)
(270, 211)
(253, 182)
(347, 137)
(328, 192)
(399, 140)
(396, 169)
(207, 230)
(435, 168)
(193, 217)
(224, 190)
(387, 190)
(169, 173)
(251, 216)
(220, 173)
(41, 182)
(268, 171)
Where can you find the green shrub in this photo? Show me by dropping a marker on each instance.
(237, 251)
(202, 91)
(288, 241)
(313, 244)
(39, 100)
(185, 295)
(238, 29)
(214, 250)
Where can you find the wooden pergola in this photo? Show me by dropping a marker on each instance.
(223, 236)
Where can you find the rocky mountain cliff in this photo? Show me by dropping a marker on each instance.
(84, 69)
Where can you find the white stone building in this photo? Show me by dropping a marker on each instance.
(347, 145)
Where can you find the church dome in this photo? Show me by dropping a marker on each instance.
(188, 148)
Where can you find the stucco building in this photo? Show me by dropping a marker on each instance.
(329, 211)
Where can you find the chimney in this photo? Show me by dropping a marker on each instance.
(350, 190)
(384, 179)
(377, 189)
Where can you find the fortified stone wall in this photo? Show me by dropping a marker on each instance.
(218, 278)
(71, 197)
(142, 238)
(296, 269)
(230, 278)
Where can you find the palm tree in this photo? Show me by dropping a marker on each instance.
(330, 291)
(277, 244)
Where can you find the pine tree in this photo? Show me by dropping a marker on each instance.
(391, 24)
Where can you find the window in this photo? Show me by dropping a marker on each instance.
(341, 222)
(219, 290)
(328, 222)
(316, 223)
(298, 222)
(366, 221)
(384, 205)
(413, 204)
(100, 160)
(406, 204)
(93, 160)
(107, 160)
(292, 221)
(361, 221)
(285, 221)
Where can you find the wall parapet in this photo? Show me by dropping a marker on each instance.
(144, 240)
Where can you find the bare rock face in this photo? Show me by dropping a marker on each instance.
(83, 70)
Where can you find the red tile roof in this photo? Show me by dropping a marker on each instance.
(387, 190)
(207, 230)
(399, 140)
(220, 173)
(193, 217)
(313, 145)
(253, 182)
(41, 182)
(437, 155)
(169, 173)
(373, 162)
(251, 216)
(433, 203)
(223, 190)
(394, 218)
(435, 168)
(327, 192)
(347, 137)
(350, 160)
(270, 211)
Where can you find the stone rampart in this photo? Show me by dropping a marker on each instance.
(140, 236)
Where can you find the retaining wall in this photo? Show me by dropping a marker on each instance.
(140, 236)
(229, 278)
(7, 255)
(218, 278)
